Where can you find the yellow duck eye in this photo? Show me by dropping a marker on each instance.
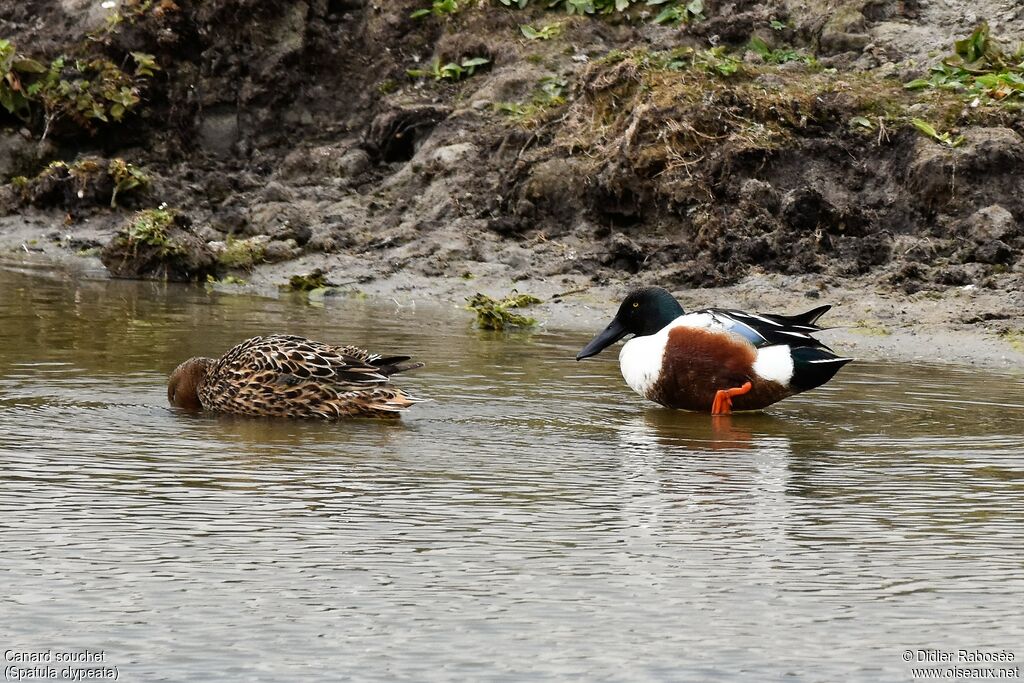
(636, 304)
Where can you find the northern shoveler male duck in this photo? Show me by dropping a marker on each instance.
(286, 376)
(716, 359)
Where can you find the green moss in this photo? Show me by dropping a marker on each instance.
(226, 280)
(492, 314)
(242, 254)
(1014, 338)
(870, 328)
(316, 279)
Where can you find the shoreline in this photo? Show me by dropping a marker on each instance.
(962, 326)
(707, 156)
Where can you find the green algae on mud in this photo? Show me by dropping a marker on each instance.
(242, 254)
(315, 279)
(494, 314)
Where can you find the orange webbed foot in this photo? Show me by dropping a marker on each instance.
(722, 405)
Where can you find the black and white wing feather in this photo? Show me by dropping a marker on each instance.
(770, 329)
(814, 363)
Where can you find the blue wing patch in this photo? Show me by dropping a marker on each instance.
(733, 325)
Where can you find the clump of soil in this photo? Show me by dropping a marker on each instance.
(771, 136)
(158, 244)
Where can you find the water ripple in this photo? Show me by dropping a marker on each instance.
(535, 520)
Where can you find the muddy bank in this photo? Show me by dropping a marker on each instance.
(767, 149)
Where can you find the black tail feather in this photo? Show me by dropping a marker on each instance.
(390, 360)
(394, 365)
(806, 322)
(810, 317)
(812, 366)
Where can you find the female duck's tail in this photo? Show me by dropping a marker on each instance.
(392, 365)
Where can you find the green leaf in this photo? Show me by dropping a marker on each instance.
(918, 84)
(7, 100)
(759, 46)
(475, 61)
(145, 64)
(666, 15)
(451, 71)
(695, 7)
(863, 122)
(989, 80)
(926, 128)
(973, 48)
(28, 66)
(727, 68)
(530, 32)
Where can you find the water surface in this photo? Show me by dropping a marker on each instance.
(535, 521)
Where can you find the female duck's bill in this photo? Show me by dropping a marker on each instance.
(715, 359)
(286, 376)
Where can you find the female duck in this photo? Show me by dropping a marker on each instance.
(716, 359)
(285, 376)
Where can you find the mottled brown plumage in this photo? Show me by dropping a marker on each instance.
(287, 376)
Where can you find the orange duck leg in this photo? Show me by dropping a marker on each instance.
(722, 404)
